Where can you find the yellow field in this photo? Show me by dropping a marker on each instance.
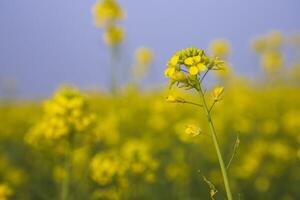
(133, 144)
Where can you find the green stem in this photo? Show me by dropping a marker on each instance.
(66, 180)
(67, 168)
(114, 61)
(216, 144)
(192, 103)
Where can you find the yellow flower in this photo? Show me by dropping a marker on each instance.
(272, 60)
(5, 192)
(104, 167)
(178, 76)
(169, 72)
(189, 61)
(201, 67)
(185, 65)
(114, 35)
(173, 61)
(173, 99)
(217, 92)
(66, 113)
(143, 56)
(143, 59)
(192, 130)
(107, 11)
(194, 70)
(219, 47)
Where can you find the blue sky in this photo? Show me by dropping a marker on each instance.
(46, 43)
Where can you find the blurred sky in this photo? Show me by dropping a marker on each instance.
(44, 43)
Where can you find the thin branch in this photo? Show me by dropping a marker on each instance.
(192, 103)
(217, 147)
(184, 70)
(212, 105)
(201, 80)
(235, 149)
(213, 191)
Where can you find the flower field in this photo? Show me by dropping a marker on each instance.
(133, 144)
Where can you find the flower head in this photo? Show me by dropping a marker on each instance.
(217, 92)
(173, 99)
(113, 35)
(143, 59)
(185, 67)
(5, 192)
(219, 47)
(143, 56)
(107, 11)
(65, 114)
(192, 130)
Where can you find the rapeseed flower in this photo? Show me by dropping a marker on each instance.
(220, 48)
(114, 35)
(5, 192)
(106, 12)
(217, 92)
(65, 114)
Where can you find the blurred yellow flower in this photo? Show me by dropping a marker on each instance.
(114, 35)
(271, 60)
(192, 130)
(104, 167)
(173, 99)
(219, 47)
(143, 59)
(217, 92)
(66, 113)
(5, 192)
(107, 11)
(143, 56)
(270, 42)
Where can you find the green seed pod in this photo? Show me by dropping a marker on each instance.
(200, 52)
(194, 52)
(205, 59)
(178, 68)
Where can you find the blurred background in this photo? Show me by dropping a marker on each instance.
(83, 109)
(44, 44)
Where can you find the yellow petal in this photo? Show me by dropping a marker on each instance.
(178, 76)
(217, 92)
(192, 130)
(169, 72)
(193, 70)
(201, 67)
(189, 61)
(171, 99)
(197, 59)
(174, 60)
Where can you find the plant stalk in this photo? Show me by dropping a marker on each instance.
(217, 147)
(113, 63)
(66, 181)
(67, 167)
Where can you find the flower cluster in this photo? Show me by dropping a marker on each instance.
(143, 58)
(5, 192)
(271, 124)
(219, 48)
(269, 48)
(105, 167)
(113, 35)
(107, 14)
(65, 114)
(134, 159)
(186, 66)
